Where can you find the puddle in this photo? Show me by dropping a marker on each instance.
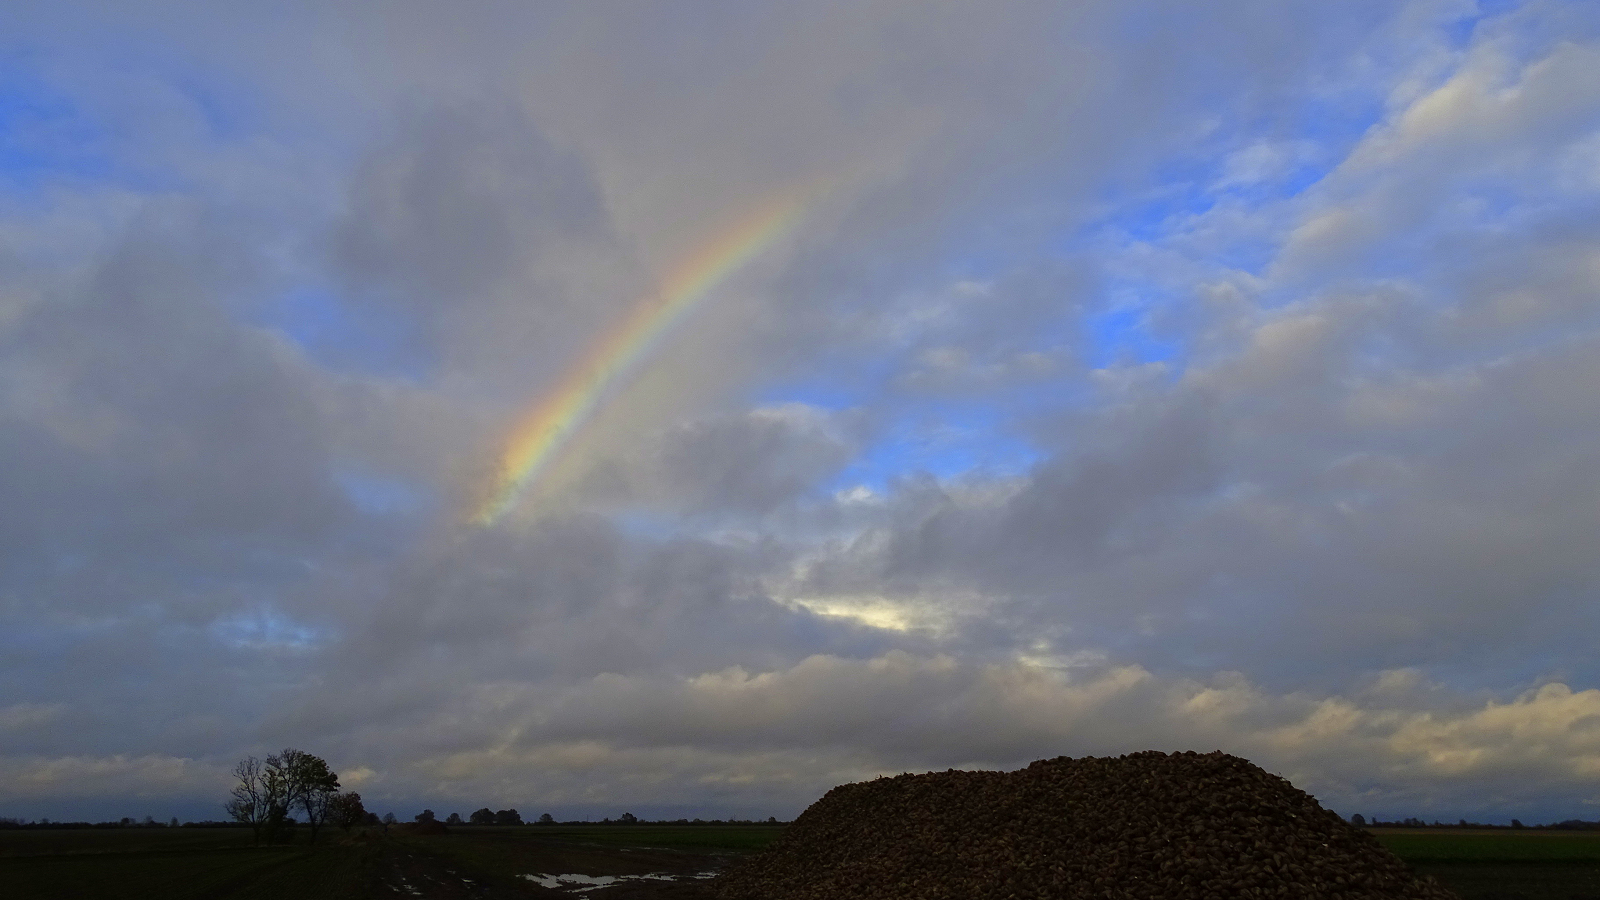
(578, 884)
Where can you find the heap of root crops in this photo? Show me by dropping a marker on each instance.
(1146, 825)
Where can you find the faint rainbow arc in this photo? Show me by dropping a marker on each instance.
(541, 432)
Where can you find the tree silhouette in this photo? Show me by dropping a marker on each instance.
(253, 800)
(318, 786)
(268, 791)
(346, 811)
(301, 780)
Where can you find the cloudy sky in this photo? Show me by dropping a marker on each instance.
(1112, 376)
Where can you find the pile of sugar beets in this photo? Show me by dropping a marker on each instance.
(1154, 825)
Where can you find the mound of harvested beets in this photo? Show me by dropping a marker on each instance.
(1145, 825)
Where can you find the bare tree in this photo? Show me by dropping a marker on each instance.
(253, 800)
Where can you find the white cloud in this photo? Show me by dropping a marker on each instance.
(19, 716)
(784, 733)
(120, 775)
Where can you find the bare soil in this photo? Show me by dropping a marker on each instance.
(488, 865)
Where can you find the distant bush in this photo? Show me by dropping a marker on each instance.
(1575, 825)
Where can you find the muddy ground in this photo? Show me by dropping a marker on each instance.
(494, 866)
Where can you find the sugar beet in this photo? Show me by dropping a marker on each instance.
(1184, 826)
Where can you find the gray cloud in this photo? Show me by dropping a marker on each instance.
(742, 464)
(1327, 501)
(470, 223)
(144, 423)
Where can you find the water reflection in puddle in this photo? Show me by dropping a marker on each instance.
(577, 884)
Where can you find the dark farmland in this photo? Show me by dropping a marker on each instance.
(1501, 864)
(177, 862)
(489, 862)
(466, 861)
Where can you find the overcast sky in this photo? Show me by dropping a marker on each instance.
(1129, 375)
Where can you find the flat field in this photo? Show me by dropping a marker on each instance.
(645, 861)
(1525, 864)
(733, 838)
(614, 862)
(627, 862)
(178, 863)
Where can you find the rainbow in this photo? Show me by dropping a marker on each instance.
(549, 425)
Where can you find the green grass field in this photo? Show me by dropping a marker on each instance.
(1417, 845)
(1503, 865)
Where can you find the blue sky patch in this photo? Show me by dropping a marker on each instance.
(343, 337)
(46, 137)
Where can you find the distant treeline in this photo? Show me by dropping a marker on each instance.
(629, 819)
(487, 816)
(496, 818)
(767, 821)
(1566, 825)
(124, 823)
